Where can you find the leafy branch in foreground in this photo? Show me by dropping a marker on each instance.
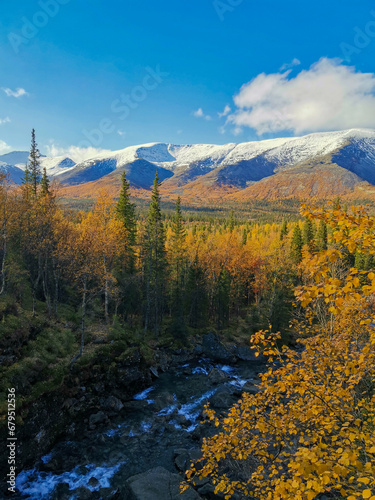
(311, 428)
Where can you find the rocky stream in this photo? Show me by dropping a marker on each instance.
(138, 448)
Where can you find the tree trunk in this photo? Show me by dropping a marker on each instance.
(84, 298)
(45, 288)
(2, 289)
(35, 285)
(56, 279)
(106, 295)
(84, 301)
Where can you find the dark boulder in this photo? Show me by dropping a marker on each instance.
(215, 350)
(159, 484)
(97, 418)
(113, 403)
(223, 398)
(217, 376)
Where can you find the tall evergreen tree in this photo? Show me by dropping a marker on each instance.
(126, 213)
(296, 244)
(244, 236)
(222, 296)
(232, 221)
(26, 187)
(34, 163)
(178, 230)
(308, 234)
(283, 229)
(178, 260)
(154, 262)
(196, 295)
(44, 184)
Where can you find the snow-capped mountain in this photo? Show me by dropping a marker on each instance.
(56, 165)
(189, 168)
(15, 158)
(238, 165)
(15, 174)
(14, 164)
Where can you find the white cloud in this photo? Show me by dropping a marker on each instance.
(4, 148)
(15, 93)
(121, 133)
(75, 153)
(200, 114)
(327, 96)
(295, 62)
(4, 120)
(226, 111)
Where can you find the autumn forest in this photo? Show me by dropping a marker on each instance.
(117, 279)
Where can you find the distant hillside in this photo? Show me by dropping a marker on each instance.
(318, 165)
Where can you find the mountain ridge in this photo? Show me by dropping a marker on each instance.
(234, 170)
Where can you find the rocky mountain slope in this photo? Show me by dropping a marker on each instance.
(320, 164)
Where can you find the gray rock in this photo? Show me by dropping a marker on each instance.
(250, 388)
(62, 492)
(182, 461)
(97, 418)
(113, 403)
(93, 482)
(135, 405)
(198, 349)
(217, 376)
(163, 400)
(99, 387)
(222, 399)
(83, 493)
(184, 457)
(245, 353)
(214, 349)
(159, 484)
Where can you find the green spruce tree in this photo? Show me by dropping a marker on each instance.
(44, 184)
(283, 229)
(126, 213)
(34, 164)
(308, 234)
(296, 244)
(178, 261)
(232, 221)
(222, 296)
(154, 263)
(196, 295)
(244, 236)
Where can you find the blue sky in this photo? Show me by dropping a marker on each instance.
(78, 62)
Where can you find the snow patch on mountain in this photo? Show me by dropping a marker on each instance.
(56, 165)
(15, 158)
(236, 164)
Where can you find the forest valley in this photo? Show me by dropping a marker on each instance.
(116, 279)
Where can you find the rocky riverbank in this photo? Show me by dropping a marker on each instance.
(114, 429)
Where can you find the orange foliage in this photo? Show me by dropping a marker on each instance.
(310, 430)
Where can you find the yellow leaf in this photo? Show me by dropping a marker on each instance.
(366, 493)
(364, 480)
